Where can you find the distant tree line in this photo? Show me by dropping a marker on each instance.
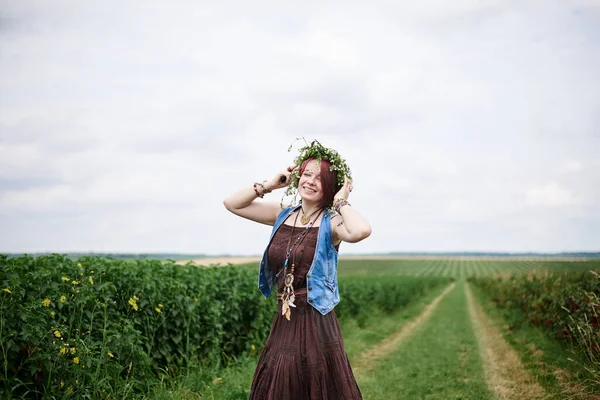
(499, 254)
(121, 256)
(185, 256)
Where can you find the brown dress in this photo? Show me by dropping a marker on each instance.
(304, 358)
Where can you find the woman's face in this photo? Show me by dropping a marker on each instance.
(309, 185)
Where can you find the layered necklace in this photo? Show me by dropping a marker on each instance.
(288, 297)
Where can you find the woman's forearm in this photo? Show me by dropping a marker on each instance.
(245, 196)
(357, 225)
(240, 199)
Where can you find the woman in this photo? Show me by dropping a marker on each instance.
(304, 357)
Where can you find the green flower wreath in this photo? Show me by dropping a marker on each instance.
(319, 152)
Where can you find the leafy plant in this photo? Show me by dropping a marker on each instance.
(100, 327)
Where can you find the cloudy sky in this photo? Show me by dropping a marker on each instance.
(468, 125)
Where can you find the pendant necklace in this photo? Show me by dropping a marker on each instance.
(288, 297)
(305, 218)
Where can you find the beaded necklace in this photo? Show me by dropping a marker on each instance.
(288, 297)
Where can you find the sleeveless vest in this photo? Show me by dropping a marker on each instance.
(321, 279)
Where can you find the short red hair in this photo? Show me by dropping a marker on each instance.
(328, 181)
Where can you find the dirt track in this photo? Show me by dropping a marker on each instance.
(505, 373)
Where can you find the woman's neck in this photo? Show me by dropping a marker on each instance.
(309, 208)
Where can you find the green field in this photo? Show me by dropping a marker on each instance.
(460, 268)
(444, 356)
(413, 329)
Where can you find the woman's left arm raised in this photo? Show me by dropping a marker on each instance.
(348, 225)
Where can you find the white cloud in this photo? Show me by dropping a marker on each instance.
(468, 126)
(570, 167)
(550, 195)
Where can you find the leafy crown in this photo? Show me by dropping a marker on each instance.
(319, 152)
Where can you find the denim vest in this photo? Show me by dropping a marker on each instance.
(321, 279)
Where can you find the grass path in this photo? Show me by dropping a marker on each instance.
(367, 359)
(505, 374)
(439, 360)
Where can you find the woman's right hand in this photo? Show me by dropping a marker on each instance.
(277, 182)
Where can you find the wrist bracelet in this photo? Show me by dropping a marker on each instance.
(264, 189)
(256, 190)
(339, 204)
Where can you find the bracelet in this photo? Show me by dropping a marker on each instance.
(339, 203)
(264, 190)
(256, 190)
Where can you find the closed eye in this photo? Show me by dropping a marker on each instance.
(308, 174)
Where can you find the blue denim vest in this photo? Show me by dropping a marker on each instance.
(321, 279)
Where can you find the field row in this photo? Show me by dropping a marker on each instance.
(461, 269)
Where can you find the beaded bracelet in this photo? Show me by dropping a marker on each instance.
(264, 190)
(256, 190)
(339, 204)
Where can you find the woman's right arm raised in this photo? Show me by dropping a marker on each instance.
(243, 202)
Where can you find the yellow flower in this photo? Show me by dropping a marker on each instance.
(73, 350)
(158, 310)
(75, 282)
(132, 303)
(160, 306)
(135, 298)
(63, 351)
(7, 290)
(52, 313)
(64, 278)
(62, 384)
(76, 360)
(79, 265)
(63, 298)
(46, 302)
(57, 333)
(91, 280)
(110, 355)
(252, 347)
(69, 390)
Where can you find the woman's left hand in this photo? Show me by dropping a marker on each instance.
(345, 190)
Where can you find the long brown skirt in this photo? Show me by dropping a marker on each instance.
(304, 359)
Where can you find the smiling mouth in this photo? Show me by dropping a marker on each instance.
(309, 190)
